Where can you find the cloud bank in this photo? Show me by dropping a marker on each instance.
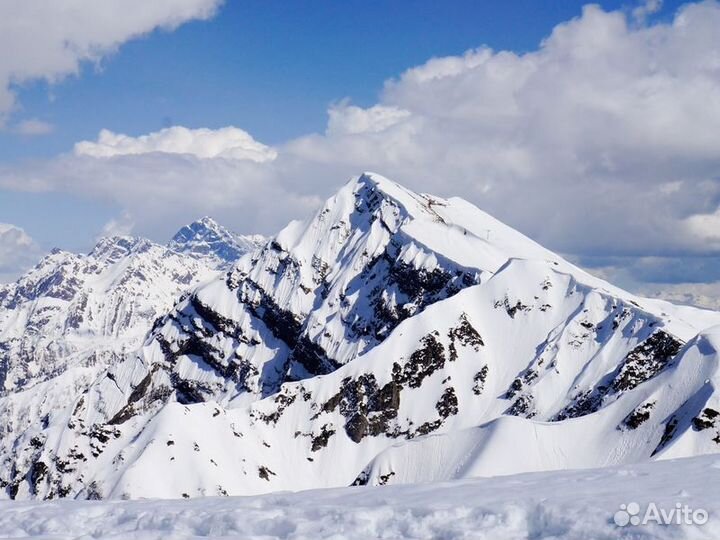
(602, 142)
(227, 142)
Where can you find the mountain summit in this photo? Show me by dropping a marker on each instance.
(391, 337)
(207, 238)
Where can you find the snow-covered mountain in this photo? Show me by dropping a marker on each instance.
(207, 239)
(392, 337)
(93, 307)
(69, 318)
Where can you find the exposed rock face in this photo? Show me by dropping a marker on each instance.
(87, 310)
(641, 364)
(638, 416)
(646, 360)
(385, 335)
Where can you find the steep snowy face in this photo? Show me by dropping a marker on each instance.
(319, 294)
(206, 238)
(390, 333)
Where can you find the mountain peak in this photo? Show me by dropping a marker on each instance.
(368, 186)
(205, 237)
(112, 248)
(206, 222)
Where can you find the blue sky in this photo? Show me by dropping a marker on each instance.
(261, 60)
(274, 69)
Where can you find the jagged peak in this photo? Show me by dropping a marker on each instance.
(372, 198)
(205, 223)
(369, 185)
(206, 237)
(366, 193)
(115, 247)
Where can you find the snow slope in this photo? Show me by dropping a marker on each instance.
(392, 337)
(678, 397)
(565, 505)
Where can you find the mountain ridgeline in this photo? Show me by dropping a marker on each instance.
(392, 337)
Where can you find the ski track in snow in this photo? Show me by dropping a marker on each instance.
(565, 505)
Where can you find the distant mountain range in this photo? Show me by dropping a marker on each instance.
(392, 337)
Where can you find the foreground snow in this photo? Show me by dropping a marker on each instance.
(560, 505)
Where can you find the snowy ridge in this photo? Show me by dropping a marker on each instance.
(393, 337)
(671, 417)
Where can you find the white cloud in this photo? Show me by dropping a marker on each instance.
(227, 142)
(158, 191)
(121, 226)
(704, 295)
(18, 252)
(645, 9)
(601, 141)
(33, 126)
(706, 227)
(349, 119)
(49, 40)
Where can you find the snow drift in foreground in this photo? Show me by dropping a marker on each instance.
(559, 505)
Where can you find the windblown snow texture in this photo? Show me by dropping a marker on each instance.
(563, 505)
(391, 338)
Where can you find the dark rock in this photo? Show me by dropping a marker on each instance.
(706, 419)
(264, 473)
(638, 416)
(321, 440)
(668, 434)
(646, 360)
(479, 380)
(422, 363)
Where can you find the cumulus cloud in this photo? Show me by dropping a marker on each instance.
(227, 142)
(18, 252)
(159, 191)
(49, 40)
(705, 227)
(601, 142)
(349, 119)
(120, 226)
(645, 9)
